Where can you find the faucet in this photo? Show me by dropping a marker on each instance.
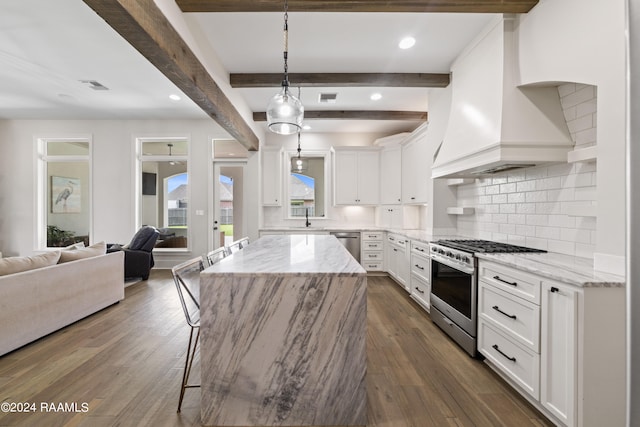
(306, 215)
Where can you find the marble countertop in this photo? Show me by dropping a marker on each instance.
(563, 268)
(290, 254)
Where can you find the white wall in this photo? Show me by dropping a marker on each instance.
(113, 180)
(584, 42)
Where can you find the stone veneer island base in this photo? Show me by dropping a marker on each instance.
(283, 335)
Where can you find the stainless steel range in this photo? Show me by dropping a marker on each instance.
(454, 279)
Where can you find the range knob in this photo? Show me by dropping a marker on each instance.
(458, 257)
(449, 254)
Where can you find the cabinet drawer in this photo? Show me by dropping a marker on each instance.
(517, 363)
(420, 267)
(372, 265)
(515, 282)
(518, 318)
(420, 291)
(420, 249)
(372, 256)
(396, 240)
(371, 235)
(372, 246)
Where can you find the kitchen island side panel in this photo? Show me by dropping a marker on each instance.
(283, 349)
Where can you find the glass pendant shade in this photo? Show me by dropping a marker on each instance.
(285, 113)
(299, 165)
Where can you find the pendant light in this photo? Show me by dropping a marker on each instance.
(285, 112)
(299, 164)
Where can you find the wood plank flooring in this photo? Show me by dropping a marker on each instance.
(126, 361)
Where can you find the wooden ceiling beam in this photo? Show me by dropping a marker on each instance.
(242, 80)
(354, 115)
(404, 6)
(144, 26)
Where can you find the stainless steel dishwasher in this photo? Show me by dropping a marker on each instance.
(351, 241)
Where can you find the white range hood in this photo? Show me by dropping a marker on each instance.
(494, 125)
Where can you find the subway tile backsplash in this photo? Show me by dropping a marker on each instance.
(546, 207)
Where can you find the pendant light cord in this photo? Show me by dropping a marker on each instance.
(286, 44)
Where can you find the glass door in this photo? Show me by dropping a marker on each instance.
(228, 206)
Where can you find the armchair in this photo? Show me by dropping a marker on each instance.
(138, 254)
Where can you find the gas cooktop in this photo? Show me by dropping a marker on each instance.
(485, 246)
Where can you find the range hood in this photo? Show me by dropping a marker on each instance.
(495, 125)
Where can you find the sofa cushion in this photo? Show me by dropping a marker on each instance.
(80, 253)
(18, 264)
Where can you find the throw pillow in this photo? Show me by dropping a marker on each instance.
(77, 245)
(80, 253)
(18, 264)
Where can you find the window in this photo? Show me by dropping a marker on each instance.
(163, 189)
(64, 191)
(306, 193)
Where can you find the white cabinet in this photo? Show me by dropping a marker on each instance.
(558, 362)
(397, 216)
(420, 274)
(372, 250)
(562, 345)
(508, 325)
(356, 176)
(416, 173)
(272, 176)
(398, 260)
(391, 176)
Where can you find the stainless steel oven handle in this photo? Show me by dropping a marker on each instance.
(454, 265)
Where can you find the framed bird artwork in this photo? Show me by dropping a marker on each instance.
(65, 195)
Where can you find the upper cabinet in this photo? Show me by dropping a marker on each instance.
(356, 176)
(271, 176)
(391, 175)
(416, 171)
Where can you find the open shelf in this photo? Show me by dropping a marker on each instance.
(461, 210)
(460, 181)
(588, 154)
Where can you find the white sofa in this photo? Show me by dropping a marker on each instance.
(37, 302)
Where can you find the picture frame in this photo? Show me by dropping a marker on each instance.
(66, 195)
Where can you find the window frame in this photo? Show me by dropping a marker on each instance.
(43, 158)
(326, 156)
(137, 193)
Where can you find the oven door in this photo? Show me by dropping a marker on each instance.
(453, 292)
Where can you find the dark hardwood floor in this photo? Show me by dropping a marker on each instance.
(126, 361)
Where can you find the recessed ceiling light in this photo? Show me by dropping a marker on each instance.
(406, 43)
(174, 97)
(376, 96)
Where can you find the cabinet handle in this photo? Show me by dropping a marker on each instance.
(554, 289)
(395, 250)
(504, 281)
(419, 290)
(413, 198)
(373, 256)
(511, 316)
(401, 242)
(496, 348)
(418, 266)
(419, 249)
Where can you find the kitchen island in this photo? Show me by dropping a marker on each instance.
(283, 335)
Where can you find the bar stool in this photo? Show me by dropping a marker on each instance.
(187, 279)
(237, 245)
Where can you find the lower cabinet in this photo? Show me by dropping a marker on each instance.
(562, 346)
(372, 250)
(398, 260)
(559, 335)
(420, 274)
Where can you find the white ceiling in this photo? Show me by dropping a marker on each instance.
(48, 47)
